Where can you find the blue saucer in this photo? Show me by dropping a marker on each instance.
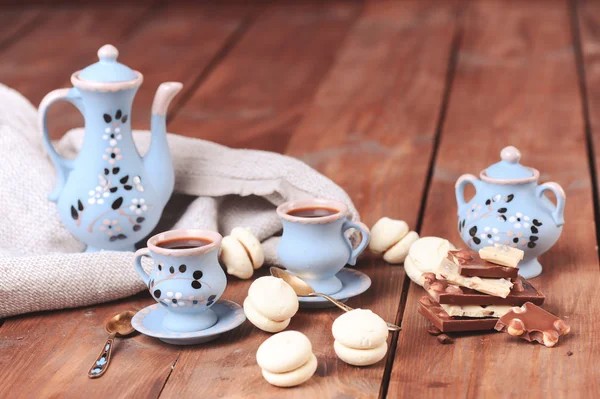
(353, 283)
(149, 320)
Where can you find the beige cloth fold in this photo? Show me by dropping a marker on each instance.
(216, 187)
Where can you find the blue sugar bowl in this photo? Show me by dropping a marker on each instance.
(510, 208)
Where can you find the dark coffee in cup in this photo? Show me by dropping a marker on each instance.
(183, 243)
(312, 212)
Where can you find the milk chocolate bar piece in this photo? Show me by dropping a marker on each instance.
(502, 255)
(448, 270)
(433, 312)
(471, 265)
(450, 294)
(533, 323)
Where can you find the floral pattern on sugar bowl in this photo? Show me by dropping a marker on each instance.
(510, 208)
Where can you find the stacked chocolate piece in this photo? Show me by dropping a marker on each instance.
(469, 293)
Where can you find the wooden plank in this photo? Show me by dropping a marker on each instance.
(178, 43)
(375, 112)
(17, 23)
(586, 21)
(257, 95)
(516, 83)
(48, 355)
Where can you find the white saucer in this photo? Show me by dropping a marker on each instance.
(149, 320)
(353, 283)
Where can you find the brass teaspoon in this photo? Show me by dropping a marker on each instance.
(302, 288)
(118, 326)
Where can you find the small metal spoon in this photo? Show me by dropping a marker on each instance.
(118, 326)
(302, 288)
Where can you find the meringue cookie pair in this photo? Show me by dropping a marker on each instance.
(241, 253)
(286, 359)
(360, 337)
(271, 303)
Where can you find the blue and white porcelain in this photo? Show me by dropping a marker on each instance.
(354, 283)
(317, 248)
(149, 321)
(110, 197)
(510, 208)
(185, 282)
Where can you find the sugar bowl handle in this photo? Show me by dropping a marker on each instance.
(366, 236)
(137, 261)
(459, 188)
(561, 199)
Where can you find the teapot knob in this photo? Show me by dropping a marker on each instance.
(510, 154)
(108, 52)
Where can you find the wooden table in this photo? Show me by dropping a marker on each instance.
(393, 101)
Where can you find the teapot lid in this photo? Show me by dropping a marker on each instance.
(107, 70)
(509, 169)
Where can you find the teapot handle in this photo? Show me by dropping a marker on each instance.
(460, 188)
(63, 166)
(561, 198)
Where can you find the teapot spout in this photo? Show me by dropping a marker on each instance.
(157, 162)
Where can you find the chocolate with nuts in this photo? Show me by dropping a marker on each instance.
(470, 264)
(433, 312)
(449, 294)
(533, 323)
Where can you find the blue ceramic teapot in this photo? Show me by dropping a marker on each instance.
(510, 208)
(110, 197)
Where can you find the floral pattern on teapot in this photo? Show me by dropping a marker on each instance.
(110, 197)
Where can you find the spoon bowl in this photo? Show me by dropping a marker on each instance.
(302, 288)
(120, 324)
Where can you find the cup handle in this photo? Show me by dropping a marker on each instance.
(137, 261)
(460, 188)
(63, 166)
(366, 236)
(561, 199)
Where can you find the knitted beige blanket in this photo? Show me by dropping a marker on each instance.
(41, 264)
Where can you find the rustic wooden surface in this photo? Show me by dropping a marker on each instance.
(393, 101)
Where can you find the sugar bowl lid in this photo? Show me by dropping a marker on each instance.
(107, 74)
(509, 170)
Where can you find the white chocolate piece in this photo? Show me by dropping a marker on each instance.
(448, 270)
(235, 258)
(425, 255)
(360, 329)
(502, 255)
(294, 377)
(385, 233)
(476, 310)
(284, 352)
(273, 298)
(360, 357)
(251, 244)
(398, 252)
(261, 321)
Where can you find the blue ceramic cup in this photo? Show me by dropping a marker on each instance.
(186, 278)
(314, 245)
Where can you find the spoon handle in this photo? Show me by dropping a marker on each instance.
(337, 303)
(102, 361)
(346, 308)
